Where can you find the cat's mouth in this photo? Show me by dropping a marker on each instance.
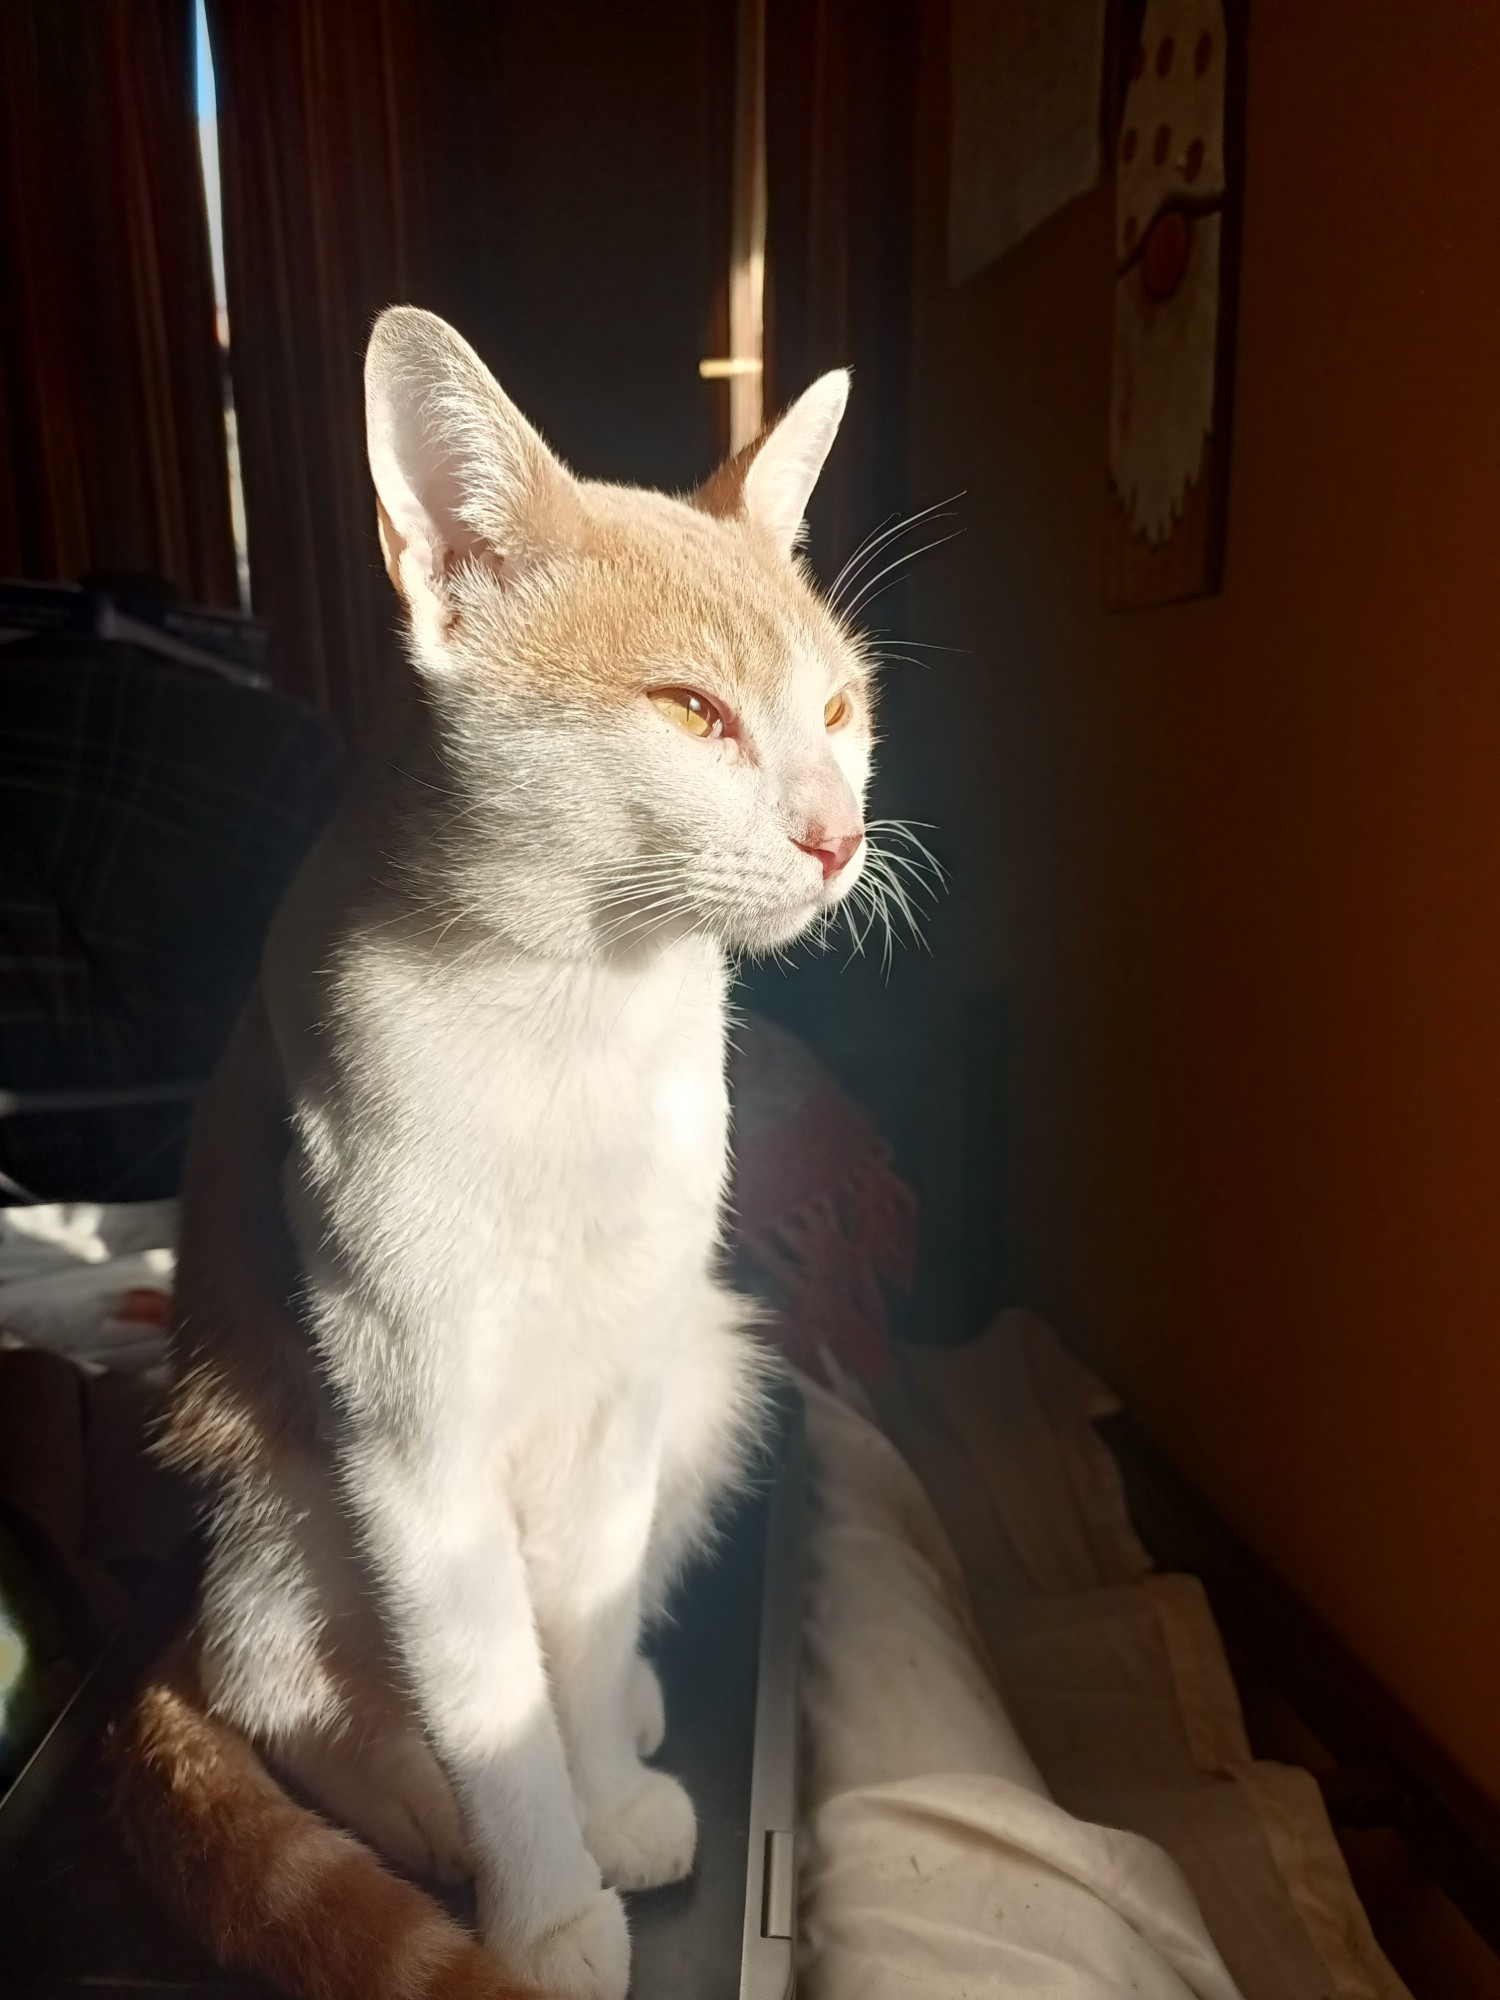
(655, 908)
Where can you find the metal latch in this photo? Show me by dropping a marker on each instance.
(779, 1896)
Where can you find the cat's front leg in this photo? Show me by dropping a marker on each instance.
(586, 1565)
(646, 1708)
(444, 1542)
(638, 1823)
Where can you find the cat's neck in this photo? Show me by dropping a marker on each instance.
(374, 893)
(414, 859)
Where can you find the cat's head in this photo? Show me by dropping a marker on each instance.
(648, 719)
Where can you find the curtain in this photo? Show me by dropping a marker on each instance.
(840, 123)
(841, 110)
(321, 104)
(111, 421)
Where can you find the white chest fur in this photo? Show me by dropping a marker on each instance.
(517, 1161)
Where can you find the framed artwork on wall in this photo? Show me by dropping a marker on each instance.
(1179, 177)
(1026, 81)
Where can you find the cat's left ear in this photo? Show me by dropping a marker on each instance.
(770, 482)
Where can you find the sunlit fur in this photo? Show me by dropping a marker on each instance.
(453, 1365)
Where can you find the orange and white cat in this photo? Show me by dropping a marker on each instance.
(453, 1365)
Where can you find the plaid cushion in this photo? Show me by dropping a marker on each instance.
(150, 817)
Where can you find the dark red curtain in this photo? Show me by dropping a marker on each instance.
(321, 109)
(111, 423)
(840, 129)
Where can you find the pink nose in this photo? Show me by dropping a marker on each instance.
(832, 850)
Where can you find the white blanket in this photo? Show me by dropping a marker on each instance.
(89, 1280)
(934, 1861)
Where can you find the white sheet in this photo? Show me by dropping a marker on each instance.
(1114, 1677)
(934, 1860)
(67, 1269)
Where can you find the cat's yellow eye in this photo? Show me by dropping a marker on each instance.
(690, 711)
(836, 711)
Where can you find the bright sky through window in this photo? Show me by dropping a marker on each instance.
(207, 105)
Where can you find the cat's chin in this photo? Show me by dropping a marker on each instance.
(773, 930)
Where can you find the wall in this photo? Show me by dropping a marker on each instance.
(1239, 861)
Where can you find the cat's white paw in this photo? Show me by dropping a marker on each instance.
(646, 1708)
(648, 1839)
(585, 1958)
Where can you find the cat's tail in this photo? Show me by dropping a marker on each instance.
(268, 1885)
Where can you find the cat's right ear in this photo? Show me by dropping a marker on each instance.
(460, 476)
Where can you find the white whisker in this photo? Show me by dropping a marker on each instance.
(868, 592)
(870, 547)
